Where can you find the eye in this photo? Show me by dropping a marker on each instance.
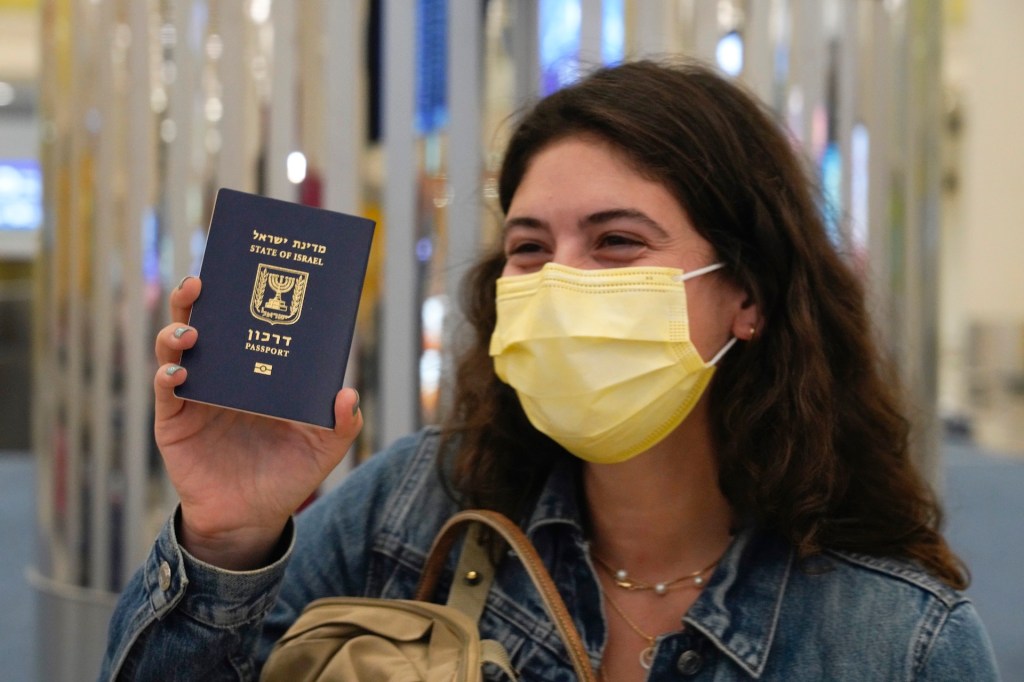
(525, 254)
(619, 240)
(523, 247)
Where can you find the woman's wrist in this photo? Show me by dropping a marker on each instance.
(242, 549)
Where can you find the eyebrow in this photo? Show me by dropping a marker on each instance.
(523, 221)
(593, 219)
(626, 214)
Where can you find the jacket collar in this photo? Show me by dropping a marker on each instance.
(559, 501)
(739, 608)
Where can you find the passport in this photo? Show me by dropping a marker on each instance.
(277, 311)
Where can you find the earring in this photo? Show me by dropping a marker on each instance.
(753, 331)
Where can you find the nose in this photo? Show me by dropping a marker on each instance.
(573, 254)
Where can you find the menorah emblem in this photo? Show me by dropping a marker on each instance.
(277, 294)
(280, 284)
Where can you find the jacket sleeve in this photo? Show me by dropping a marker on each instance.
(961, 650)
(179, 618)
(182, 619)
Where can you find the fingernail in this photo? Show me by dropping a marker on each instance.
(355, 405)
(180, 332)
(183, 280)
(173, 369)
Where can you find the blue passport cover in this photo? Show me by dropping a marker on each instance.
(276, 315)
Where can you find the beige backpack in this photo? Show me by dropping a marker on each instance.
(362, 639)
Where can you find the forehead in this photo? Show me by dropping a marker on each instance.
(585, 170)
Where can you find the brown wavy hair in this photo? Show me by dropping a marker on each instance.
(810, 433)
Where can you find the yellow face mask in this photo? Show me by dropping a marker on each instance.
(601, 360)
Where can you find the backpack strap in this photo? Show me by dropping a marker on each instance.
(475, 553)
(474, 574)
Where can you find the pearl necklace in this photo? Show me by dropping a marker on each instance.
(622, 578)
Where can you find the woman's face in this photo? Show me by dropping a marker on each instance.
(581, 204)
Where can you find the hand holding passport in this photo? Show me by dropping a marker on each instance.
(270, 323)
(281, 286)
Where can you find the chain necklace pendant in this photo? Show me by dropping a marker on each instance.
(647, 658)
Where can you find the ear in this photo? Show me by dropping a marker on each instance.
(746, 325)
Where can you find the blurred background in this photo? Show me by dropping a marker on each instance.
(119, 119)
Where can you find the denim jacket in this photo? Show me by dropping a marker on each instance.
(761, 616)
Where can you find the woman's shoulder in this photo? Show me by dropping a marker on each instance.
(838, 576)
(404, 473)
(416, 450)
(844, 615)
(888, 609)
(861, 588)
(883, 572)
(393, 503)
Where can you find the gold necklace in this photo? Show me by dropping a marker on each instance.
(622, 578)
(647, 655)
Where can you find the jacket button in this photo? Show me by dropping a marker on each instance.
(689, 662)
(165, 576)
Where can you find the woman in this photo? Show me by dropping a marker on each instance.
(671, 385)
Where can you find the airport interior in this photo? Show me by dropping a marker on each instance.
(120, 120)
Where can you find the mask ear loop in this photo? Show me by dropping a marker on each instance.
(697, 273)
(700, 271)
(725, 349)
